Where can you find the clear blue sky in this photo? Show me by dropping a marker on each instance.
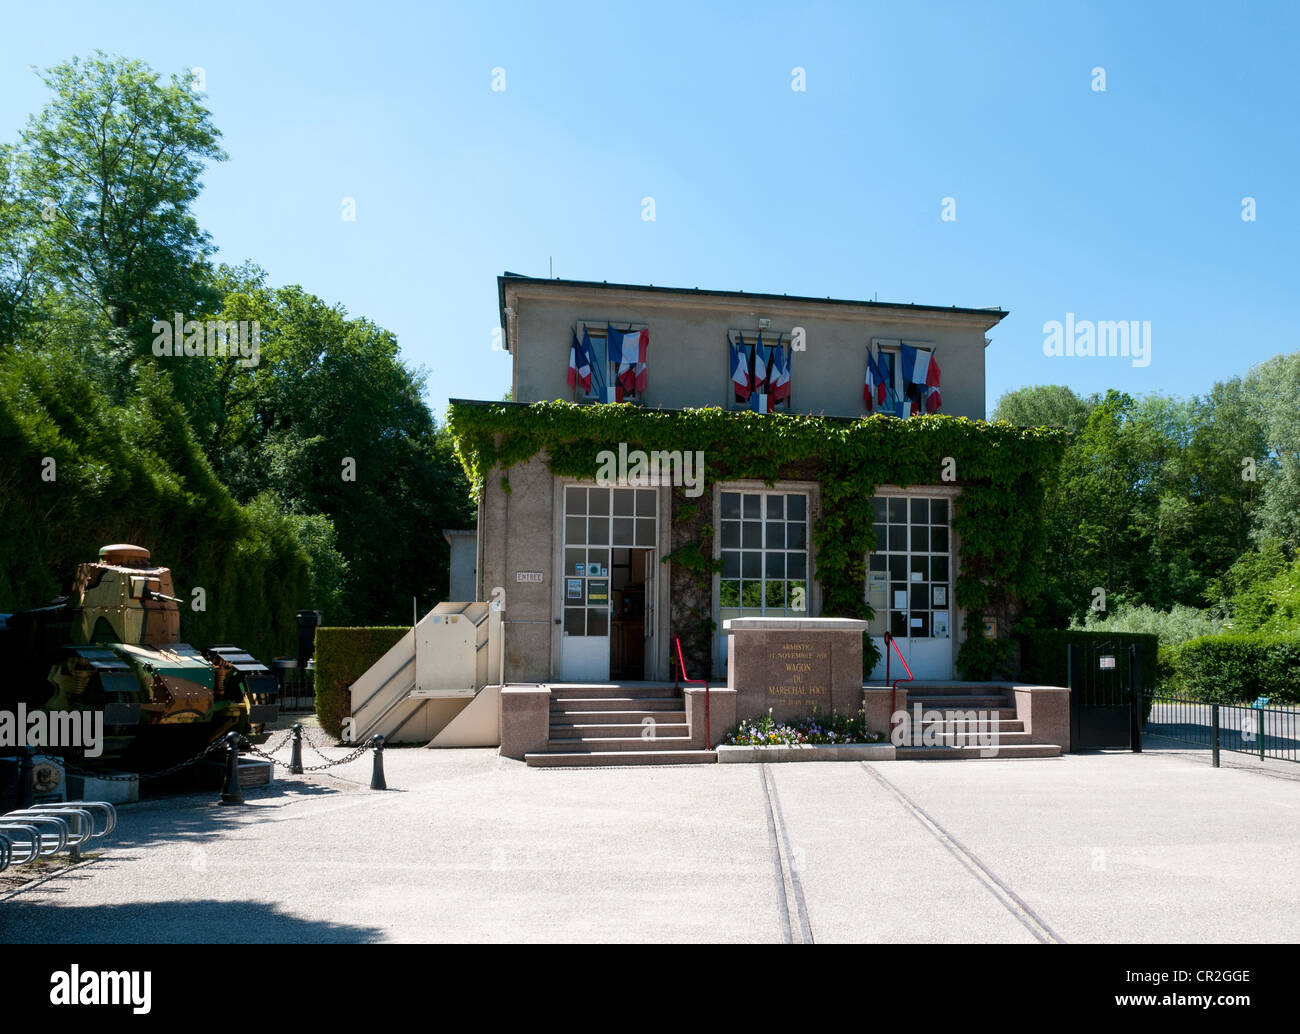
(1122, 205)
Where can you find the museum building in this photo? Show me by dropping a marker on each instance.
(599, 575)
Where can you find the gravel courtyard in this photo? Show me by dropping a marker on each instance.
(468, 846)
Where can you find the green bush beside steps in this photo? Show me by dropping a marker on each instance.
(342, 656)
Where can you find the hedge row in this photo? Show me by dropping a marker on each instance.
(342, 656)
(1044, 654)
(1235, 667)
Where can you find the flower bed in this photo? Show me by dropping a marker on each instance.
(813, 729)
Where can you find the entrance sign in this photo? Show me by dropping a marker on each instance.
(528, 576)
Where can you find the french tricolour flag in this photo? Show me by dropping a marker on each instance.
(580, 362)
(922, 369)
(778, 376)
(740, 370)
(875, 388)
(628, 348)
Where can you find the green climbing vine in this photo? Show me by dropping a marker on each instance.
(1002, 471)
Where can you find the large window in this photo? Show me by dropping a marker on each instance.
(594, 520)
(909, 575)
(764, 546)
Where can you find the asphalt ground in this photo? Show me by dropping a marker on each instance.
(468, 846)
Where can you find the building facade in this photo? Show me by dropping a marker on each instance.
(599, 575)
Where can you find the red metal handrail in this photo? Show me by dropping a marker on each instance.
(677, 684)
(893, 689)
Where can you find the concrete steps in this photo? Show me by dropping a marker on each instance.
(590, 759)
(954, 697)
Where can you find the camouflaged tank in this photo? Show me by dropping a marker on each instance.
(112, 645)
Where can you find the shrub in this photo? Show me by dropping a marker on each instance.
(1236, 668)
(1174, 626)
(342, 656)
(1044, 658)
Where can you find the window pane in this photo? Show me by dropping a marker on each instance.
(898, 511)
(575, 500)
(623, 501)
(939, 569)
(575, 530)
(751, 565)
(882, 536)
(598, 501)
(575, 619)
(598, 556)
(796, 507)
(730, 504)
(645, 531)
(920, 596)
(877, 562)
(572, 558)
(939, 540)
(598, 530)
(898, 624)
(919, 565)
(752, 506)
(775, 507)
(775, 596)
(938, 511)
(729, 593)
(897, 538)
(597, 620)
(922, 630)
(730, 534)
(920, 540)
(776, 565)
(797, 565)
(752, 535)
(920, 511)
(794, 536)
(751, 594)
(645, 502)
(802, 588)
(622, 531)
(879, 509)
(898, 568)
(775, 535)
(730, 563)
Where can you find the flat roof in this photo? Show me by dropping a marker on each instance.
(509, 279)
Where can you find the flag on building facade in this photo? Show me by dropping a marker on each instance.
(627, 350)
(778, 375)
(580, 361)
(739, 369)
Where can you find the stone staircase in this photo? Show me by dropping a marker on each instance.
(629, 724)
(997, 710)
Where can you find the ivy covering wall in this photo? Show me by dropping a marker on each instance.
(1002, 471)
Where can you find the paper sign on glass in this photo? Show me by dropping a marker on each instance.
(941, 624)
(940, 595)
(575, 589)
(900, 599)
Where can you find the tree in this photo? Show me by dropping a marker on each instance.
(1044, 405)
(112, 163)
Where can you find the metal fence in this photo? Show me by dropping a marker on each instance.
(298, 691)
(1266, 732)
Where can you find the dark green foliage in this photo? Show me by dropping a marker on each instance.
(1043, 655)
(342, 656)
(1236, 668)
(133, 473)
(1002, 471)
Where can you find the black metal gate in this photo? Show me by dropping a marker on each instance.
(1105, 696)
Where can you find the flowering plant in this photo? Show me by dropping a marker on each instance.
(765, 731)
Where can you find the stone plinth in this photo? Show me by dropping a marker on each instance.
(794, 665)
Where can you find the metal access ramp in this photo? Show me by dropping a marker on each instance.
(433, 673)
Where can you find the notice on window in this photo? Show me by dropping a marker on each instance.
(580, 569)
(939, 594)
(900, 599)
(598, 593)
(916, 576)
(575, 589)
(941, 624)
(918, 622)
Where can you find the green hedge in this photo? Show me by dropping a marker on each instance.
(1043, 657)
(342, 656)
(1236, 667)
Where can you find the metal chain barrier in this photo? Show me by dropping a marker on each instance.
(329, 762)
(215, 745)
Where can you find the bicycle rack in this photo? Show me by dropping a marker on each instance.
(46, 829)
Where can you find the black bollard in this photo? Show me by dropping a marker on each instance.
(377, 775)
(26, 779)
(295, 760)
(232, 793)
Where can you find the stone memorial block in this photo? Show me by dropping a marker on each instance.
(794, 666)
